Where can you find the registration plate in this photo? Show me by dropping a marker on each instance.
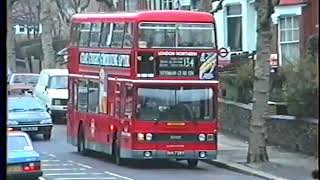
(175, 153)
(12, 169)
(29, 129)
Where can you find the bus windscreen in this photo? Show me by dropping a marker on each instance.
(175, 104)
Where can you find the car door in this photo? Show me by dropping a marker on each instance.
(40, 91)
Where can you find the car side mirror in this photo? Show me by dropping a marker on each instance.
(46, 88)
(48, 110)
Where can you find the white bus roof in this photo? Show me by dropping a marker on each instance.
(55, 72)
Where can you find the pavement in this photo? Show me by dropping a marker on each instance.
(282, 164)
(60, 161)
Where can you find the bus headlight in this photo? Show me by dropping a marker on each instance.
(148, 136)
(202, 137)
(140, 136)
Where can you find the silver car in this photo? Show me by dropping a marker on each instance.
(28, 114)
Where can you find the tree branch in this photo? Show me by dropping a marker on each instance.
(83, 7)
(218, 8)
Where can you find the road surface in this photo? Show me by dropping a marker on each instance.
(60, 161)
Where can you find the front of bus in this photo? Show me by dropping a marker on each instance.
(176, 90)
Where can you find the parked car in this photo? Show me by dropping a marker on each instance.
(28, 114)
(21, 82)
(52, 90)
(23, 162)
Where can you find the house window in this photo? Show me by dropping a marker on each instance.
(234, 24)
(21, 29)
(289, 38)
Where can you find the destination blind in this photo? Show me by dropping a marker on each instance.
(177, 66)
(104, 59)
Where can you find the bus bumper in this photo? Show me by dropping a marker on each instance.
(157, 154)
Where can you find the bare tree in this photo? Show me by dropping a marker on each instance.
(257, 151)
(11, 52)
(25, 13)
(67, 8)
(46, 34)
(106, 5)
(205, 5)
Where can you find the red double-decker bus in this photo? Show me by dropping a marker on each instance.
(144, 85)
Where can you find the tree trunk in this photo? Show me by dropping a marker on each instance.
(11, 51)
(46, 34)
(257, 151)
(205, 5)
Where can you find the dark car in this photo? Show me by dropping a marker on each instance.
(22, 161)
(28, 114)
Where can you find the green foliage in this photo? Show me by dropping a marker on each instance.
(239, 84)
(244, 82)
(301, 88)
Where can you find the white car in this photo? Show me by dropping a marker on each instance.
(52, 90)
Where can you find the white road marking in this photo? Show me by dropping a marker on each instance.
(71, 169)
(85, 178)
(83, 165)
(57, 164)
(52, 155)
(64, 174)
(117, 175)
(41, 178)
(50, 160)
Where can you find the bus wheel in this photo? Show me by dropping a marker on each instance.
(117, 158)
(192, 163)
(81, 142)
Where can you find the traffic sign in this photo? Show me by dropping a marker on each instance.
(223, 52)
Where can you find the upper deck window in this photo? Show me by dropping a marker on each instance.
(95, 35)
(117, 35)
(74, 34)
(84, 35)
(181, 35)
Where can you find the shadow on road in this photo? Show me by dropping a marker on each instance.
(149, 164)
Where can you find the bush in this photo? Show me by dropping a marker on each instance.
(301, 85)
(301, 88)
(239, 83)
(244, 82)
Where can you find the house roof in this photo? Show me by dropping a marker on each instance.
(290, 2)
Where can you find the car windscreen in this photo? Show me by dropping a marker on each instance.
(24, 104)
(18, 143)
(30, 79)
(58, 82)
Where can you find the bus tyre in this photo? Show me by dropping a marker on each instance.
(81, 142)
(47, 136)
(192, 163)
(117, 158)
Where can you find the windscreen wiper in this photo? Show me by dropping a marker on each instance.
(16, 110)
(36, 109)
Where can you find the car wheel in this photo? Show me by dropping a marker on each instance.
(47, 136)
(192, 163)
(81, 142)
